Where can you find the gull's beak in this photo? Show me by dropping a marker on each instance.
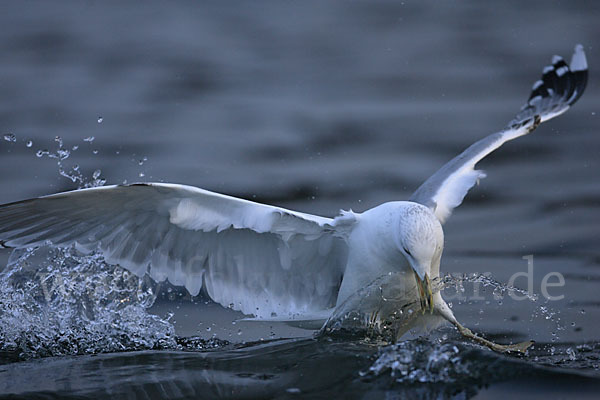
(425, 293)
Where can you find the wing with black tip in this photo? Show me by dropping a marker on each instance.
(561, 85)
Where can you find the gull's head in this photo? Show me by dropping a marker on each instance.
(420, 239)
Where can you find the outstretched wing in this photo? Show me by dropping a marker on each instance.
(551, 96)
(255, 258)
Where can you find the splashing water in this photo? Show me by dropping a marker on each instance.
(438, 357)
(420, 361)
(500, 291)
(72, 173)
(57, 302)
(62, 302)
(383, 310)
(387, 308)
(9, 137)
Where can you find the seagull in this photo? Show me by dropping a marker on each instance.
(269, 262)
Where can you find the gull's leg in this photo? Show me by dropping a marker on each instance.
(445, 312)
(501, 348)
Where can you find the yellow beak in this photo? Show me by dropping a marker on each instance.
(425, 293)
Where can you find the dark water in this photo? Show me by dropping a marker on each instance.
(314, 106)
(290, 369)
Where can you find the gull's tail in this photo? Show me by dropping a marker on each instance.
(561, 85)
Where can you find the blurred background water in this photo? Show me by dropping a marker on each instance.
(317, 106)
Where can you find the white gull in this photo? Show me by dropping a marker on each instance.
(267, 261)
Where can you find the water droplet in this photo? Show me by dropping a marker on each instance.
(75, 147)
(9, 137)
(239, 332)
(29, 143)
(41, 153)
(63, 154)
(89, 139)
(208, 329)
(142, 174)
(96, 174)
(94, 151)
(100, 119)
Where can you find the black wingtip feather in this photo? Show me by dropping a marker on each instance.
(580, 78)
(559, 80)
(560, 86)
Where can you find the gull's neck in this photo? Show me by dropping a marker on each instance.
(373, 247)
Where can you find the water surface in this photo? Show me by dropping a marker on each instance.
(316, 107)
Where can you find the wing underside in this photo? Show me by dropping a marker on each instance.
(258, 259)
